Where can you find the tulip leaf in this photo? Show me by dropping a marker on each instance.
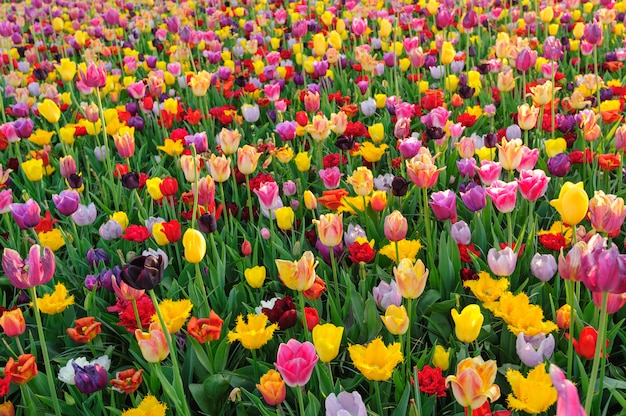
(403, 404)
(258, 404)
(314, 406)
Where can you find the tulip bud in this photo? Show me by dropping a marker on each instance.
(195, 245)
(246, 248)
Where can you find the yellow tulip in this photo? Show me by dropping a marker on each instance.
(327, 339)
(285, 218)
(303, 161)
(396, 319)
(468, 323)
(50, 110)
(555, 146)
(447, 53)
(572, 203)
(195, 245)
(377, 132)
(441, 357)
(33, 169)
(255, 276)
(67, 69)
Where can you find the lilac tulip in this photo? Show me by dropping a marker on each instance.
(386, 294)
(534, 350)
(85, 215)
(475, 197)
(543, 266)
(345, 404)
(461, 233)
(502, 262)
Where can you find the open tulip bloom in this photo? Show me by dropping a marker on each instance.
(336, 207)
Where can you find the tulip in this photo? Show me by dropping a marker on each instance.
(295, 361)
(534, 350)
(527, 116)
(153, 344)
(330, 229)
(67, 165)
(66, 202)
(67, 69)
(327, 340)
(143, 272)
(386, 294)
(85, 215)
(272, 388)
(33, 169)
(255, 276)
(7, 409)
(22, 371)
(84, 330)
(422, 169)
(441, 357)
(443, 205)
(468, 323)
(331, 177)
(247, 159)
(95, 76)
(285, 218)
(303, 161)
(195, 245)
(533, 394)
(396, 319)
(127, 381)
(585, 345)
(411, 278)
(567, 403)
(447, 53)
(13, 323)
(345, 403)
(475, 197)
(91, 378)
(395, 226)
(473, 383)
(205, 329)
(543, 266)
(614, 301)
(34, 271)
(6, 200)
(319, 128)
(461, 233)
(572, 203)
(602, 270)
(269, 198)
(488, 171)
(502, 262)
(49, 110)
(362, 180)
(219, 167)
(607, 212)
(298, 275)
(376, 361)
(532, 184)
(510, 153)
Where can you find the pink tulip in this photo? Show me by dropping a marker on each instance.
(359, 26)
(330, 177)
(529, 159)
(268, 194)
(532, 184)
(615, 301)
(502, 262)
(6, 199)
(526, 59)
(137, 90)
(35, 270)
(272, 91)
(567, 403)
(95, 77)
(295, 362)
(488, 171)
(409, 147)
(503, 195)
(569, 265)
(444, 205)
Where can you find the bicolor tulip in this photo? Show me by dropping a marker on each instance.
(395, 226)
(473, 383)
(502, 262)
(33, 271)
(329, 229)
(298, 275)
(153, 344)
(13, 323)
(411, 278)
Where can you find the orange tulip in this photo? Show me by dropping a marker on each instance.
(12, 322)
(85, 330)
(21, 371)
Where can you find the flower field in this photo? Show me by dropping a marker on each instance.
(256, 207)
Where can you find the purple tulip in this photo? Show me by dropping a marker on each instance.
(502, 262)
(199, 140)
(534, 350)
(386, 294)
(23, 127)
(443, 205)
(552, 49)
(110, 230)
(352, 233)
(593, 34)
(90, 378)
(526, 59)
(475, 197)
(35, 270)
(26, 215)
(66, 202)
(345, 404)
(97, 255)
(466, 167)
(543, 266)
(409, 147)
(559, 165)
(603, 270)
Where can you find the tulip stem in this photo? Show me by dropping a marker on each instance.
(333, 264)
(469, 411)
(139, 325)
(407, 353)
(304, 324)
(509, 221)
(570, 344)
(429, 249)
(249, 201)
(44, 351)
(195, 182)
(378, 401)
(200, 283)
(600, 347)
(178, 381)
(254, 365)
(300, 401)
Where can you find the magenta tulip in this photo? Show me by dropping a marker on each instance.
(444, 205)
(488, 171)
(503, 195)
(532, 184)
(295, 362)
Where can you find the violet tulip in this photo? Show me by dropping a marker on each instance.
(444, 205)
(66, 202)
(35, 270)
(295, 362)
(26, 215)
(502, 262)
(345, 404)
(603, 270)
(386, 294)
(534, 350)
(475, 197)
(503, 195)
(568, 403)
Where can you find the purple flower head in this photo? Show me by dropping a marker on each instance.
(26, 215)
(346, 404)
(386, 294)
(534, 350)
(90, 378)
(97, 255)
(67, 201)
(474, 197)
(34, 270)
